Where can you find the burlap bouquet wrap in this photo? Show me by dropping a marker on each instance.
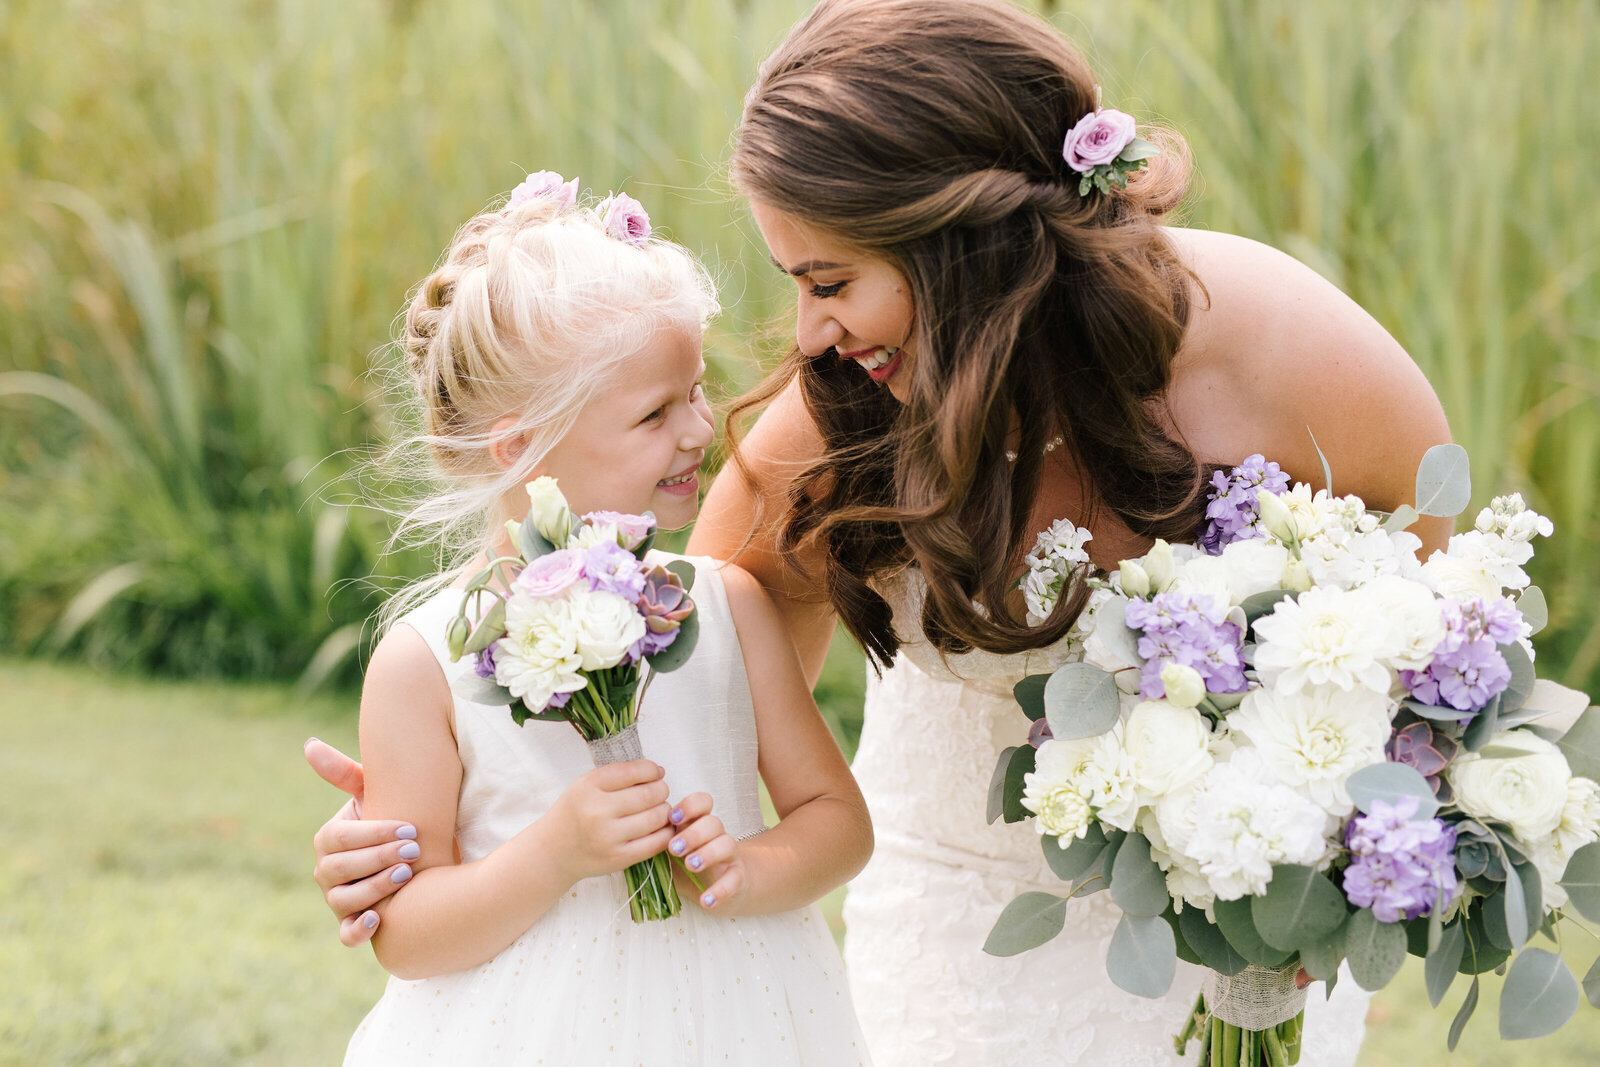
(1257, 998)
(618, 747)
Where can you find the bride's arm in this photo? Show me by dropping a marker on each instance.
(740, 519)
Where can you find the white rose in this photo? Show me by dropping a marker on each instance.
(1327, 637)
(538, 656)
(548, 511)
(1168, 745)
(1254, 566)
(1411, 612)
(1526, 792)
(1580, 815)
(607, 626)
(1315, 740)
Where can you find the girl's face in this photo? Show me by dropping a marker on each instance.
(639, 442)
(852, 304)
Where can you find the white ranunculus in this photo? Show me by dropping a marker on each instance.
(1245, 822)
(1169, 747)
(1411, 612)
(1316, 739)
(607, 626)
(538, 656)
(1580, 815)
(548, 511)
(1327, 637)
(1527, 792)
(1550, 858)
(1254, 566)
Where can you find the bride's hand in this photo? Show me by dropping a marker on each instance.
(358, 863)
(707, 849)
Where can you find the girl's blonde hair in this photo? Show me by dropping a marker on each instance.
(534, 308)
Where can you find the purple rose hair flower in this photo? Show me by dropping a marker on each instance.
(1098, 138)
(1232, 513)
(1401, 865)
(1468, 669)
(1191, 629)
(546, 185)
(625, 219)
(611, 568)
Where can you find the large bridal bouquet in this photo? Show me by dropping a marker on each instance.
(1296, 744)
(566, 636)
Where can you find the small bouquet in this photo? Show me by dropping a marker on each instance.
(1296, 744)
(568, 641)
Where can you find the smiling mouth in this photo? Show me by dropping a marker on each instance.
(679, 479)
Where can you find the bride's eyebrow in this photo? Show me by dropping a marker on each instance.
(805, 268)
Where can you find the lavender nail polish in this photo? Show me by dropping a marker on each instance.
(406, 833)
(695, 863)
(410, 850)
(677, 846)
(370, 919)
(677, 815)
(708, 900)
(401, 874)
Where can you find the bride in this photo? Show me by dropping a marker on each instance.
(986, 344)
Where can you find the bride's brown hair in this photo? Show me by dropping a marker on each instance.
(930, 135)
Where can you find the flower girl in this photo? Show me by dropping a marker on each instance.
(562, 340)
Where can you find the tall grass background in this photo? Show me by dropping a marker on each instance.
(211, 213)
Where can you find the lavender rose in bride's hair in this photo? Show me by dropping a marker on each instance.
(1098, 138)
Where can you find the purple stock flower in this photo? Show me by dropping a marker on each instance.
(1191, 629)
(611, 568)
(1401, 865)
(1232, 512)
(557, 700)
(1468, 669)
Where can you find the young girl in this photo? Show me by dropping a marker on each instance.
(563, 341)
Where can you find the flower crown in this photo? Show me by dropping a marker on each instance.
(619, 214)
(1105, 147)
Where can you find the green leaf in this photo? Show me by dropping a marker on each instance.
(1532, 895)
(1389, 782)
(1084, 185)
(1403, 517)
(1111, 624)
(1321, 958)
(1581, 745)
(1444, 481)
(1549, 707)
(1376, 950)
(490, 629)
(685, 572)
(1493, 911)
(1327, 471)
(1020, 764)
(475, 690)
(1239, 927)
(997, 786)
(1582, 881)
(1100, 180)
(1540, 995)
(643, 548)
(1459, 1023)
(1027, 922)
(1258, 604)
(1077, 857)
(1482, 727)
(1080, 700)
(1299, 906)
(1143, 957)
(677, 654)
(1209, 943)
(1514, 905)
(1185, 951)
(1138, 149)
(1535, 611)
(532, 542)
(1137, 884)
(1439, 969)
(1591, 984)
(1030, 695)
(1443, 713)
(1522, 678)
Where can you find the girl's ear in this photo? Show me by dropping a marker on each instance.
(507, 447)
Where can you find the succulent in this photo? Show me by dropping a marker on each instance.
(664, 602)
(1429, 752)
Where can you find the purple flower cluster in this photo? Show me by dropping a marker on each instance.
(1232, 512)
(1468, 669)
(1401, 865)
(611, 568)
(1191, 629)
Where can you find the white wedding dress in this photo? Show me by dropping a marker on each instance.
(917, 917)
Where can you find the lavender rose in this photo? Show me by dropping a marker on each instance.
(552, 574)
(625, 219)
(546, 185)
(1098, 138)
(631, 529)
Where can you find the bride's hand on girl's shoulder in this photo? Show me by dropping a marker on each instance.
(708, 850)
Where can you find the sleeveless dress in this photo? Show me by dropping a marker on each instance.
(917, 917)
(585, 985)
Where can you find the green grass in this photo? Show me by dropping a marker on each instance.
(156, 905)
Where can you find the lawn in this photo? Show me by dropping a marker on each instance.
(156, 905)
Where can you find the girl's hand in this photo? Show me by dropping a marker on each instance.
(610, 818)
(358, 863)
(708, 850)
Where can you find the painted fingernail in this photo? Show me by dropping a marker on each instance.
(410, 850)
(677, 846)
(677, 815)
(708, 900)
(369, 920)
(695, 863)
(401, 873)
(406, 833)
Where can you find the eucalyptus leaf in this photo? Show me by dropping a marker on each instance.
(1515, 906)
(1027, 922)
(1539, 996)
(1439, 713)
(1581, 745)
(1300, 906)
(1403, 517)
(1582, 881)
(677, 654)
(1080, 701)
(1494, 919)
(1439, 969)
(532, 543)
(1591, 984)
(1535, 611)
(1143, 957)
(1111, 626)
(1138, 149)
(1550, 706)
(1482, 727)
(1444, 481)
(475, 690)
(1321, 958)
(1185, 951)
(1459, 1023)
(1018, 767)
(997, 787)
(1075, 859)
(1030, 695)
(1137, 884)
(1327, 471)
(1239, 927)
(1389, 782)
(1522, 677)
(1258, 604)
(1376, 950)
(1532, 894)
(1209, 943)
(685, 572)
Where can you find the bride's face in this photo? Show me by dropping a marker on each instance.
(853, 305)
